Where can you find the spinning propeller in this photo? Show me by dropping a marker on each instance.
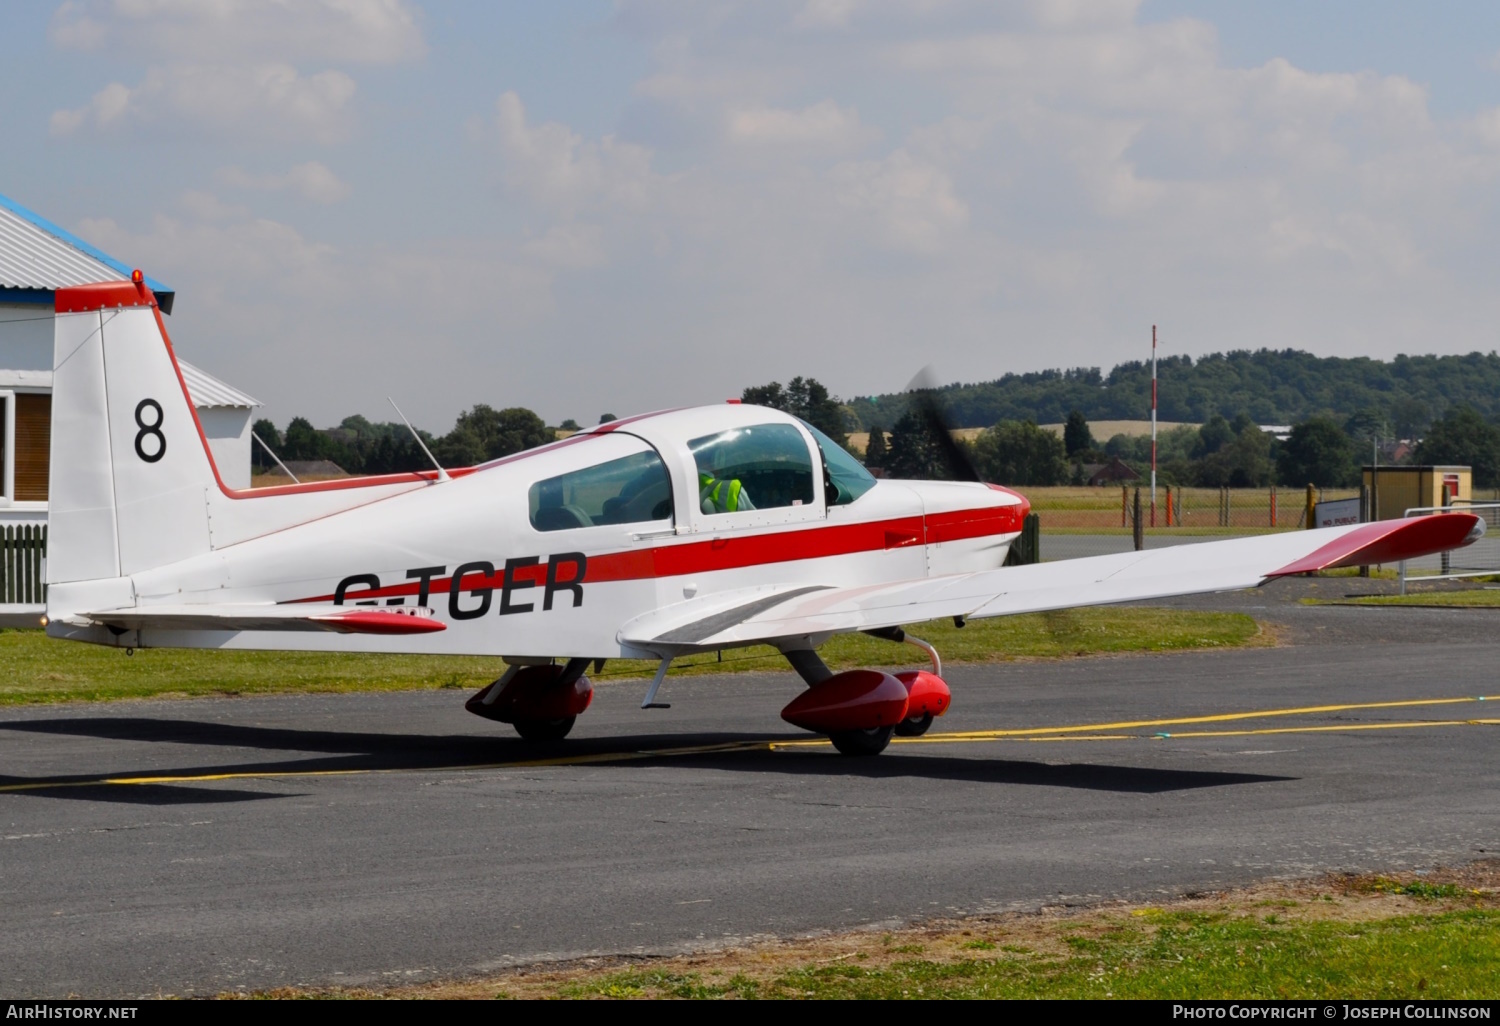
(925, 404)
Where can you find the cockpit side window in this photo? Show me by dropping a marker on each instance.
(759, 467)
(631, 490)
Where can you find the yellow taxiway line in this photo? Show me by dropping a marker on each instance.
(1306, 710)
(1073, 732)
(1096, 731)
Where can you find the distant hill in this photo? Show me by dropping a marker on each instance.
(1272, 387)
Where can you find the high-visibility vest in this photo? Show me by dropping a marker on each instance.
(725, 495)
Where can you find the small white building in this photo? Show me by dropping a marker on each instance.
(225, 413)
(37, 258)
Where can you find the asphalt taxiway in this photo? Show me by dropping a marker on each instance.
(192, 847)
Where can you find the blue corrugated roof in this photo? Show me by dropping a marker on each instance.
(40, 268)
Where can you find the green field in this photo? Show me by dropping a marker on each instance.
(1086, 510)
(1431, 936)
(1180, 956)
(34, 668)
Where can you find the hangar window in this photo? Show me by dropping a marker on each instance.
(759, 467)
(631, 490)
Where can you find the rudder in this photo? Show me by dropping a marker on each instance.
(129, 471)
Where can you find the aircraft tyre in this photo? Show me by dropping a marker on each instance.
(545, 730)
(861, 742)
(915, 726)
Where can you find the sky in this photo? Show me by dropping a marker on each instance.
(588, 207)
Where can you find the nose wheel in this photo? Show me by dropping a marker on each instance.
(914, 726)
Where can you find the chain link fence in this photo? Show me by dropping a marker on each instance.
(1479, 559)
(1090, 521)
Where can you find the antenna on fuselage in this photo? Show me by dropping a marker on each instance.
(270, 452)
(442, 474)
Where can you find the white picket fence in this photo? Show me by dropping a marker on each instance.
(23, 573)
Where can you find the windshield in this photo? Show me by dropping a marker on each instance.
(849, 477)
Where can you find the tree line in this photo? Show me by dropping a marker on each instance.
(1321, 449)
(361, 447)
(1268, 386)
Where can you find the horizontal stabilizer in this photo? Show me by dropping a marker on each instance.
(338, 619)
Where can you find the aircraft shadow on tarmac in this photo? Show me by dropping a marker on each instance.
(374, 752)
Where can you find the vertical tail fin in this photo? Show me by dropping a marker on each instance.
(130, 473)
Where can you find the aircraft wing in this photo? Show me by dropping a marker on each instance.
(298, 617)
(769, 614)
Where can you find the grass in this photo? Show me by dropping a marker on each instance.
(1353, 571)
(1351, 937)
(34, 668)
(1468, 598)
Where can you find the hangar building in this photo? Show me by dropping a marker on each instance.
(37, 258)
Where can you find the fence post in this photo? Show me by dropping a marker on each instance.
(1139, 533)
(1447, 557)
(1273, 505)
(1312, 506)
(1124, 503)
(1169, 505)
(26, 564)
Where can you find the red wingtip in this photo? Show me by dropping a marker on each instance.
(1387, 541)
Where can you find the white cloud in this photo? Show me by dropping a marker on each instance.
(1052, 171)
(824, 125)
(360, 31)
(1486, 127)
(825, 14)
(571, 246)
(556, 166)
(912, 202)
(321, 330)
(312, 181)
(259, 102)
(846, 190)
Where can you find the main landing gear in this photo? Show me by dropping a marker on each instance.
(859, 710)
(541, 702)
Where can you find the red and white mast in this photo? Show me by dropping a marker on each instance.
(1153, 425)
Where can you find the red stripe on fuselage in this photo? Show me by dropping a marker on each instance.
(732, 552)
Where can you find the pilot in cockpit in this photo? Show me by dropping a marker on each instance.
(719, 495)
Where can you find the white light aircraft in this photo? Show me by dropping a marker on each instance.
(655, 536)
